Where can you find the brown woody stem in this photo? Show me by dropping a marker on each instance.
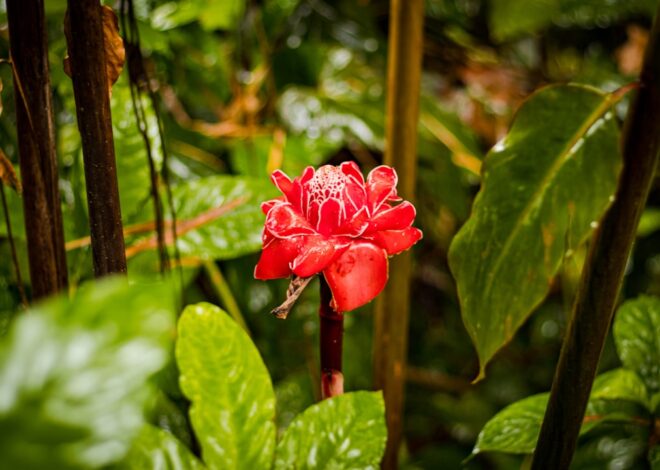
(36, 147)
(332, 335)
(603, 271)
(90, 87)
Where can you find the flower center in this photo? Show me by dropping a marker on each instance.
(328, 183)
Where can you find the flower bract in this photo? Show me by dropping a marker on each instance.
(332, 221)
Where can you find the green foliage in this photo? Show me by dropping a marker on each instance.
(71, 392)
(233, 403)
(347, 432)
(637, 336)
(513, 18)
(618, 396)
(155, 448)
(527, 216)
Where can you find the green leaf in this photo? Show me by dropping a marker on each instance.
(343, 432)
(654, 457)
(515, 429)
(157, 449)
(528, 214)
(637, 338)
(233, 403)
(620, 384)
(512, 18)
(73, 374)
(214, 14)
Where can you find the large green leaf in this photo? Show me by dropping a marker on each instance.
(73, 375)
(511, 18)
(620, 384)
(637, 338)
(344, 432)
(157, 449)
(528, 214)
(233, 403)
(215, 14)
(515, 429)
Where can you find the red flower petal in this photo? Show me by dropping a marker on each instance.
(381, 186)
(355, 226)
(284, 222)
(395, 218)
(282, 181)
(315, 255)
(329, 217)
(268, 205)
(357, 276)
(396, 241)
(275, 259)
(351, 169)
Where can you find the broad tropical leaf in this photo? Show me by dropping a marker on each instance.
(233, 403)
(529, 214)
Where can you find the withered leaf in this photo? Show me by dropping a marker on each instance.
(296, 288)
(115, 54)
(8, 174)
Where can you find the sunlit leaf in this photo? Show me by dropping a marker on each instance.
(155, 448)
(528, 214)
(233, 403)
(637, 338)
(73, 375)
(620, 384)
(347, 432)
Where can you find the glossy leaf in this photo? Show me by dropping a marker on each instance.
(157, 449)
(512, 18)
(347, 431)
(73, 375)
(528, 214)
(231, 234)
(515, 429)
(233, 403)
(620, 384)
(637, 338)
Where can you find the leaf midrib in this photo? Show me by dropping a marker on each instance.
(591, 120)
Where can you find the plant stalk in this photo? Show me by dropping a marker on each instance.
(603, 271)
(392, 307)
(36, 147)
(90, 87)
(332, 337)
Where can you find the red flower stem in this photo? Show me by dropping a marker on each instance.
(332, 335)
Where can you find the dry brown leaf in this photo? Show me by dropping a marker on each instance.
(630, 55)
(8, 174)
(115, 53)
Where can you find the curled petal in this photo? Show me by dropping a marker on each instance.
(355, 196)
(307, 174)
(355, 226)
(284, 221)
(381, 186)
(315, 254)
(329, 217)
(396, 241)
(275, 259)
(268, 205)
(357, 276)
(394, 218)
(282, 181)
(351, 169)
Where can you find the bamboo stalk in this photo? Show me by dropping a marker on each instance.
(36, 147)
(90, 87)
(392, 307)
(603, 271)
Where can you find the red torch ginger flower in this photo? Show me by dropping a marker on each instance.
(331, 221)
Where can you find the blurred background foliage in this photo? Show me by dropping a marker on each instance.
(246, 87)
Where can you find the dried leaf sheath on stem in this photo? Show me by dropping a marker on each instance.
(90, 86)
(36, 146)
(603, 271)
(392, 307)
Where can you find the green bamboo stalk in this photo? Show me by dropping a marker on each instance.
(392, 307)
(603, 271)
